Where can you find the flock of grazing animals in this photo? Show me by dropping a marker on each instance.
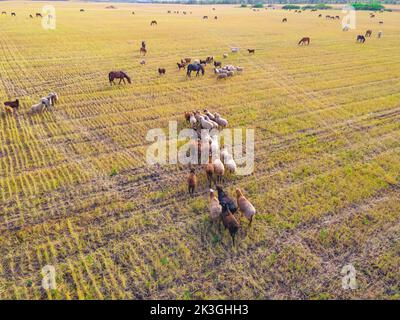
(222, 207)
(226, 71)
(12, 107)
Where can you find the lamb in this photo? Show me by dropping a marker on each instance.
(230, 73)
(192, 182)
(239, 69)
(209, 115)
(215, 207)
(245, 206)
(229, 221)
(222, 76)
(187, 116)
(225, 55)
(45, 101)
(209, 168)
(221, 121)
(225, 199)
(234, 49)
(230, 164)
(215, 125)
(192, 119)
(219, 170)
(205, 124)
(36, 108)
(214, 144)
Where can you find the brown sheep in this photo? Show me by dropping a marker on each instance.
(219, 170)
(245, 206)
(230, 222)
(215, 207)
(192, 182)
(209, 168)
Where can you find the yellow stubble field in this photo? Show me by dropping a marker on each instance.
(76, 192)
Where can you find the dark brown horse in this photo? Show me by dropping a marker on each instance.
(284, 20)
(153, 23)
(161, 71)
(4, 12)
(118, 75)
(251, 51)
(38, 15)
(360, 38)
(13, 14)
(368, 33)
(143, 50)
(305, 40)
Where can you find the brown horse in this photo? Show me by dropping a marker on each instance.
(161, 71)
(251, 51)
(305, 40)
(153, 23)
(13, 14)
(143, 50)
(118, 75)
(4, 12)
(181, 65)
(284, 20)
(38, 15)
(368, 33)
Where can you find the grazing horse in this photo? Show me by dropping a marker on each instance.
(368, 33)
(327, 17)
(13, 14)
(305, 40)
(12, 106)
(251, 51)
(205, 17)
(360, 38)
(284, 20)
(153, 23)
(31, 16)
(380, 22)
(195, 67)
(4, 12)
(143, 50)
(209, 59)
(216, 18)
(118, 75)
(38, 15)
(186, 60)
(82, 10)
(181, 65)
(161, 71)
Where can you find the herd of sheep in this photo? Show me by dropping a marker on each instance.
(222, 206)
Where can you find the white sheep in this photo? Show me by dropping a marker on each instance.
(222, 76)
(235, 49)
(214, 144)
(205, 124)
(221, 121)
(36, 108)
(215, 124)
(230, 164)
(209, 115)
(192, 119)
(225, 55)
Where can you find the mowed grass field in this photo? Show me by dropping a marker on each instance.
(76, 192)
